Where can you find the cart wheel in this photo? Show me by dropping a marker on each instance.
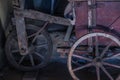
(97, 54)
(40, 50)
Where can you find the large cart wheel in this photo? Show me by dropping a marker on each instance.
(95, 54)
(40, 50)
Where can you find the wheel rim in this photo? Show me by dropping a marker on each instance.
(98, 60)
(39, 51)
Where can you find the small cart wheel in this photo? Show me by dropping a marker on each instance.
(40, 50)
(96, 54)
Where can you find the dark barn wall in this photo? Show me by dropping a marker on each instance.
(4, 11)
(45, 6)
(2, 43)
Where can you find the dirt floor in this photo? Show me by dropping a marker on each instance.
(55, 70)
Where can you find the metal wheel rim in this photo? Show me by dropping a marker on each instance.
(79, 41)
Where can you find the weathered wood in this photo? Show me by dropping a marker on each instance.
(21, 34)
(68, 34)
(44, 17)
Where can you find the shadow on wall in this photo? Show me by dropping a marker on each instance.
(2, 43)
(4, 12)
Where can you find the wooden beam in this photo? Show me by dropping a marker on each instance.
(44, 17)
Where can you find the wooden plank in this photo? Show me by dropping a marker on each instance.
(21, 34)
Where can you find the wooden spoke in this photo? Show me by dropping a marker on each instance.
(41, 45)
(82, 67)
(21, 60)
(81, 57)
(41, 56)
(106, 48)
(114, 56)
(15, 51)
(98, 72)
(31, 59)
(106, 72)
(111, 65)
(96, 46)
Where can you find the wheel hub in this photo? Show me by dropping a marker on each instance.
(97, 61)
(30, 50)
